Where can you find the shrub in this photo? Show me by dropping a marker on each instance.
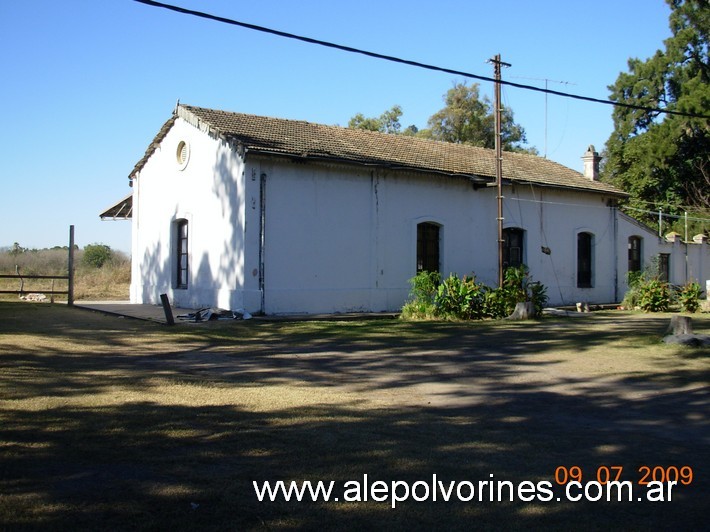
(689, 297)
(632, 297)
(654, 296)
(538, 296)
(424, 286)
(420, 305)
(97, 255)
(465, 299)
(496, 303)
(418, 310)
(460, 298)
(518, 287)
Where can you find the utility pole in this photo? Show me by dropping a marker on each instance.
(497, 63)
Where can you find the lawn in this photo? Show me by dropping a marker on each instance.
(110, 423)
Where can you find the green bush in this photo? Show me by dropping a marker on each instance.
(689, 297)
(465, 299)
(654, 295)
(424, 286)
(420, 305)
(538, 296)
(496, 303)
(97, 255)
(647, 291)
(518, 287)
(632, 297)
(461, 298)
(418, 310)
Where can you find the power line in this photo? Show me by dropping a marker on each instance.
(666, 215)
(546, 80)
(376, 55)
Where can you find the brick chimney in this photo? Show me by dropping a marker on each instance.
(591, 163)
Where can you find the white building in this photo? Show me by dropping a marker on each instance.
(280, 216)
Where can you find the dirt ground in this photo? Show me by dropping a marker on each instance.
(109, 422)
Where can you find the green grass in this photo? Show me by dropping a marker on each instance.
(109, 423)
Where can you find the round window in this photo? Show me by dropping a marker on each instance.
(182, 154)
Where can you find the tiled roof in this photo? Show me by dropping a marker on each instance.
(316, 141)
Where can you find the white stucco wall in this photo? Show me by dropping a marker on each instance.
(688, 261)
(327, 237)
(552, 219)
(339, 239)
(208, 193)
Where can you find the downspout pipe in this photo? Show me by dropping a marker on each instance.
(262, 233)
(615, 221)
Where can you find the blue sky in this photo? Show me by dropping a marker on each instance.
(86, 85)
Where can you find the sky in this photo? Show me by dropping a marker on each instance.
(86, 85)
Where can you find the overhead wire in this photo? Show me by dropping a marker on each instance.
(418, 64)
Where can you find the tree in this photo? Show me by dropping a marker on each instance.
(468, 119)
(97, 255)
(16, 249)
(388, 122)
(658, 158)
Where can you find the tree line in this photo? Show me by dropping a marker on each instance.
(53, 260)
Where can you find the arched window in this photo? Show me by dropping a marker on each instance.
(513, 247)
(181, 254)
(634, 254)
(585, 259)
(428, 247)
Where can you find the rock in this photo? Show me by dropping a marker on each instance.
(692, 340)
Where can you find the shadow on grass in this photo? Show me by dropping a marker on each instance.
(129, 466)
(146, 464)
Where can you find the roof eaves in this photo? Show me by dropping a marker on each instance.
(121, 210)
(476, 178)
(151, 148)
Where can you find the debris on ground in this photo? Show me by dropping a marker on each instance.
(34, 297)
(213, 314)
(561, 312)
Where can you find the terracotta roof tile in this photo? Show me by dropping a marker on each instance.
(304, 139)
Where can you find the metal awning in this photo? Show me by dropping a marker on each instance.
(123, 210)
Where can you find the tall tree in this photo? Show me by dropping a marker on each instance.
(664, 160)
(387, 122)
(465, 119)
(469, 119)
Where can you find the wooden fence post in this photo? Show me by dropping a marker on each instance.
(166, 308)
(70, 266)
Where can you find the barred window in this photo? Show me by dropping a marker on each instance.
(182, 254)
(634, 254)
(428, 247)
(513, 247)
(585, 259)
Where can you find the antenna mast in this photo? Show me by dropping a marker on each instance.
(546, 80)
